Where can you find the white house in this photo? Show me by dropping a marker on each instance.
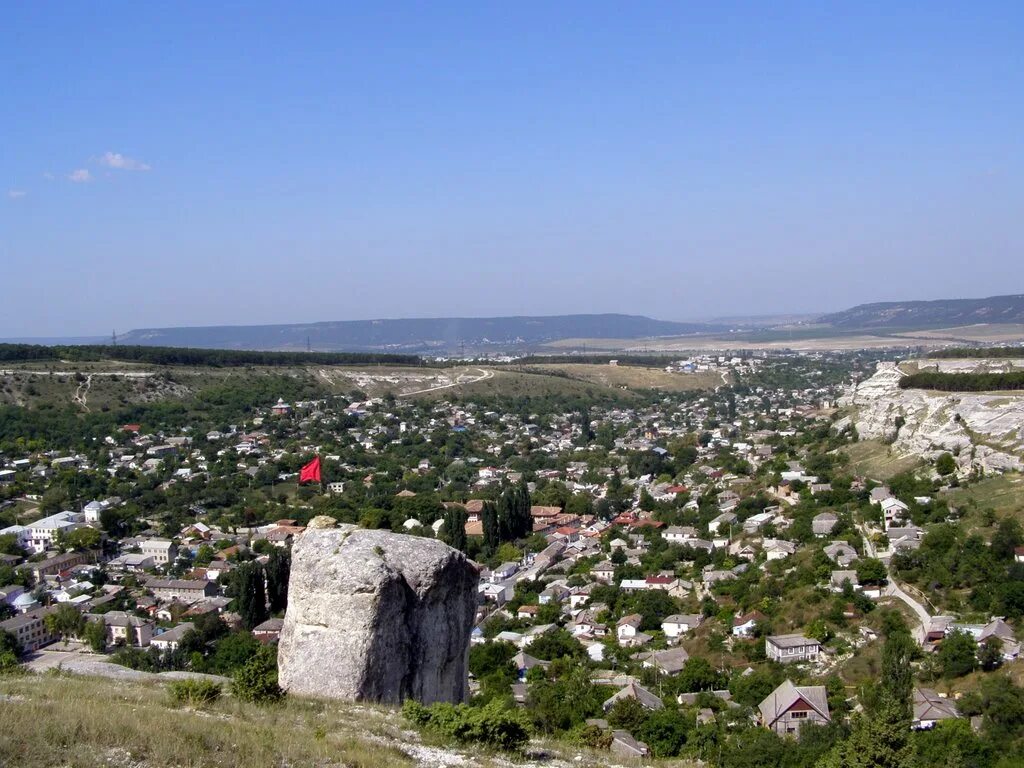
(679, 624)
(43, 531)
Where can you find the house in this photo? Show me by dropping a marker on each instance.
(125, 628)
(679, 624)
(54, 566)
(879, 494)
(725, 520)
(743, 626)
(495, 593)
(670, 661)
(133, 562)
(624, 745)
(894, 512)
(790, 649)
(778, 549)
(633, 690)
(823, 523)
(269, 631)
(186, 590)
(678, 534)
(789, 707)
(170, 640)
(527, 612)
(29, 629)
(524, 662)
(841, 553)
(43, 531)
(1002, 633)
(839, 578)
(930, 708)
(755, 522)
(628, 627)
(603, 572)
(163, 551)
(504, 571)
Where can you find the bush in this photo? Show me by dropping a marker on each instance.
(256, 680)
(493, 725)
(194, 693)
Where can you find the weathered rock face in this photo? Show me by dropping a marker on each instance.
(377, 616)
(984, 431)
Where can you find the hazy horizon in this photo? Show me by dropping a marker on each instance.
(251, 164)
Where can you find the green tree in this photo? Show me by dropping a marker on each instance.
(278, 570)
(879, 741)
(945, 464)
(80, 539)
(66, 621)
(256, 680)
(95, 634)
(957, 654)
(250, 594)
(871, 571)
(491, 528)
(453, 531)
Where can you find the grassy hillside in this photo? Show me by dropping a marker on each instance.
(134, 725)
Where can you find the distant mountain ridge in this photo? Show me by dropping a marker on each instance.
(417, 335)
(919, 315)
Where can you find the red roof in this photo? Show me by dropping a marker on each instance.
(647, 524)
(676, 489)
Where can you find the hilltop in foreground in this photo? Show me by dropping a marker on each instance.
(134, 725)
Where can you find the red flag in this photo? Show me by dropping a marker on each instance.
(310, 472)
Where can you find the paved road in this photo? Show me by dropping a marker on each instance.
(894, 589)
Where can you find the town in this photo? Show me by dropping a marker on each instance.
(662, 573)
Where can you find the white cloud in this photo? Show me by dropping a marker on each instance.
(80, 175)
(48, 176)
(122, 162)
(14, 194)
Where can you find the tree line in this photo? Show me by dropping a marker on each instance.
(211, 358)
(963, 382)
(957, 352)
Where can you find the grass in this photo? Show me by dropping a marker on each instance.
(1004, 494)
(635, 377)
(46, 724)
(875, 459)
(90, 722)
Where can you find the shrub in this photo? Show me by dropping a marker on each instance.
(256, 680)
(493, 725)
(194, 693)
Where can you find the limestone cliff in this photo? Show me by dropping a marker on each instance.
(984, 431)
(377, 616)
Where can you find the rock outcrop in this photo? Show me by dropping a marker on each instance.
(982, 431)
(377, 616)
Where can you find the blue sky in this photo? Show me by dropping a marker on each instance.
(256, 163)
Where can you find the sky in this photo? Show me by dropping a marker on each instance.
(218, 163)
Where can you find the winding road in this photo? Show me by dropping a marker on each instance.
(459, 381)
(894, 589)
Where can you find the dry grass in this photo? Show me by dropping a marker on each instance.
(1003, 493)
(90, 722)
(635, 377)
(875, 459)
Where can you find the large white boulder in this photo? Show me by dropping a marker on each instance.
(377, 616)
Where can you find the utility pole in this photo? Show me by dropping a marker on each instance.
(113, 338)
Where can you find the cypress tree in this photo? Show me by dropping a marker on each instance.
(492, 531)
(250, 594)
(278, 569)
(455, 528)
